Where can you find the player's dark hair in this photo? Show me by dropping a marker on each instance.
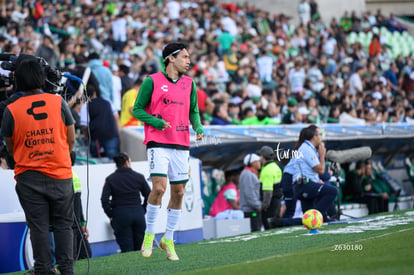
(171, 49)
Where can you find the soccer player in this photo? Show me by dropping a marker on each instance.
(166, 103)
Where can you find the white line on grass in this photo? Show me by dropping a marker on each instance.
(312, 251)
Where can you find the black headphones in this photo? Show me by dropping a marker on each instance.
(249, 160)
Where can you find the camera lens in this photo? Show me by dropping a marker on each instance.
(8, 66)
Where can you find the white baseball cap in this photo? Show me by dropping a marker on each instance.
(250, 158)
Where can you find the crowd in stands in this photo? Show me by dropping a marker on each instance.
(251, 67)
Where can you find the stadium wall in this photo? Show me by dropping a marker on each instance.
(334, 8)
(398, 7)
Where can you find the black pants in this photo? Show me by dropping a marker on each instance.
(255, 220)
(81, 246)
(129, 226)
(274, 207)
(289, 195)
(383, 205)
(315, 195)
(47, 201)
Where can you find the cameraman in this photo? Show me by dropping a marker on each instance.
(39, 132)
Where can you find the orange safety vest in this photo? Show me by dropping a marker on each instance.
(40, 136)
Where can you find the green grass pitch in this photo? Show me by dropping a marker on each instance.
(383, 244)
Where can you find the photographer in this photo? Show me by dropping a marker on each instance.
(39, 132)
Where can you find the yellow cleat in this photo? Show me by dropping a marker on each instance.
(168, 246)
(146, 248)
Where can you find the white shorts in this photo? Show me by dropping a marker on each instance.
(168, 162)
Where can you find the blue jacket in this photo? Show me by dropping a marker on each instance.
(104, 77)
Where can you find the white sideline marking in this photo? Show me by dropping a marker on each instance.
(374, 224)
(381, 223)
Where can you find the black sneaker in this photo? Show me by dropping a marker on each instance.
(274, 222)
(330, 219)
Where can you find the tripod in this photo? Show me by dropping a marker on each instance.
(335, 169)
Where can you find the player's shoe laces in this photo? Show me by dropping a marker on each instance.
(168, 246)
(146, 248)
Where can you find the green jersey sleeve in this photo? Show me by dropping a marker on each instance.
(194, 113)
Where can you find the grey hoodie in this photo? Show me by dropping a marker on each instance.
(249, 191)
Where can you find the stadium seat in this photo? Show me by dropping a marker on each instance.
(384, 31)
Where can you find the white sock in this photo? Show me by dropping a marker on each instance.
(152, 214)
(173, 215)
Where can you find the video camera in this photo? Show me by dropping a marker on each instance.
(10, 63)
